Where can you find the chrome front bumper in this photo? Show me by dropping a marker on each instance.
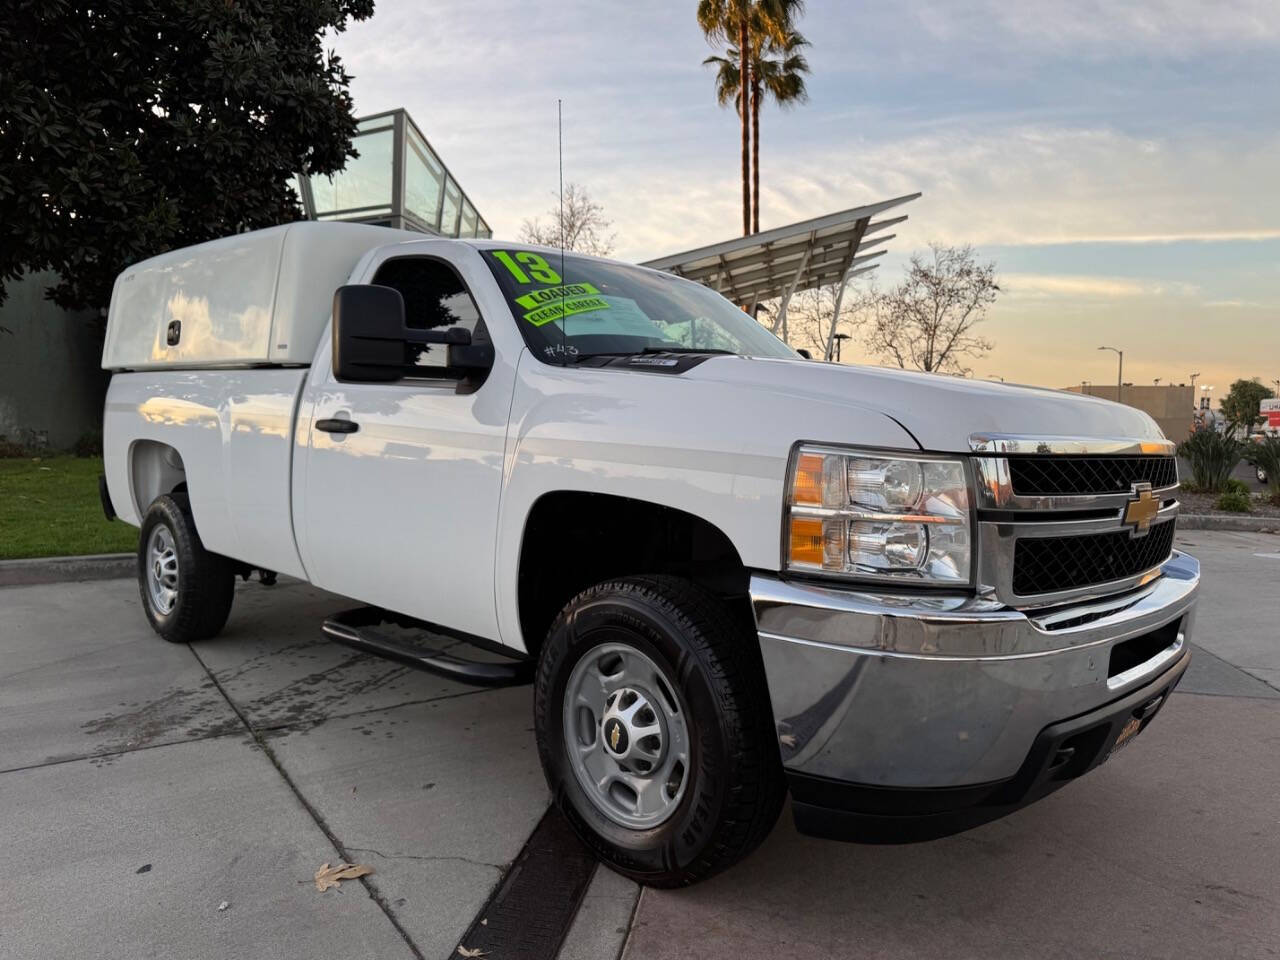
(927, 691)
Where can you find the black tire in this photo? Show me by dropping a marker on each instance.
(206, 581)
(736, 785)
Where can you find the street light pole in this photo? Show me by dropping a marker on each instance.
(1193, 383)
(839, 337)
(1119, 373)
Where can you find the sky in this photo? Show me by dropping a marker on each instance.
(1120, 162)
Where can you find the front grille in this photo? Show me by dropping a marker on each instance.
(1050, 564)
(1060, 476)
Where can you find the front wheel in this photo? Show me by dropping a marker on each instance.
(655, 730)
(186, 590)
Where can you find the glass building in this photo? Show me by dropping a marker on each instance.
(397, 181)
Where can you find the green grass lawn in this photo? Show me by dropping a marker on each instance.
(50, 508)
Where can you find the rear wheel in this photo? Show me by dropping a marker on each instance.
(655, 730)
(186, 590)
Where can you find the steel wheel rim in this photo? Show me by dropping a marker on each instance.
(162, 570)
(616, 693)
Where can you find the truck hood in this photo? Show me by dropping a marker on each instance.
(940, 411)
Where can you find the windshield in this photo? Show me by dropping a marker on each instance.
(575, 307)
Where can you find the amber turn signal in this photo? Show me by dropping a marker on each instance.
(806, 540)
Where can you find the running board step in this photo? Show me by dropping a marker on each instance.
(422, 646)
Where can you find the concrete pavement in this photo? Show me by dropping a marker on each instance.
(143, 784)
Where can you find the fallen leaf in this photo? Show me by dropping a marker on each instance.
(466, 952)
(328, 876)
(223, 905)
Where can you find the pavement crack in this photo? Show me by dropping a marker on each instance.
(500, 867)
(370, 888)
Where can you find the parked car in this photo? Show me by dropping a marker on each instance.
(917, 602)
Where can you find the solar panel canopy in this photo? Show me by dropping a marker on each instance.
(785, 260)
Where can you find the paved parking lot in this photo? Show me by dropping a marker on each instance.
(143, 786)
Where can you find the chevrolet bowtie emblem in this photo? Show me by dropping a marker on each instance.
(1142, 509)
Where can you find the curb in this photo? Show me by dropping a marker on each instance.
(102, 566)
(1210, 521)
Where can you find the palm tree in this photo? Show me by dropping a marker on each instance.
(777, 71)
(744, 22)
(780, 75)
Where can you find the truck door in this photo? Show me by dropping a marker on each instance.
(401, 512)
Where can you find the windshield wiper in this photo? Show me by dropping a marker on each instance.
(649, 351)
(683, 350)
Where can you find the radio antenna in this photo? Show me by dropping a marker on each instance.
(564, 318)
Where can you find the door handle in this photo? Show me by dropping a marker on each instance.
(337, 426)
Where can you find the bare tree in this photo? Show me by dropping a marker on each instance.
(926, 322)
(585, 228)
(811, 317)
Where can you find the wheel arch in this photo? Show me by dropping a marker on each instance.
(575, 539)
(155, 468)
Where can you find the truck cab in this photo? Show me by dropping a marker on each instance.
(916, 602)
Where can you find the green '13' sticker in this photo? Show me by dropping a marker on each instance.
(539, 271)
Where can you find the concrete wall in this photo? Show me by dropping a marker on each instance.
(1171, 407)
(51, 385)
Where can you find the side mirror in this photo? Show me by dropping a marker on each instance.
(371, 343)
(368, 334)
(804, 353)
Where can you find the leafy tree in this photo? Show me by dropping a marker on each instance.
(127, 129)
(1241, 405)
(926, 322)
(746, 23)
(777, 71)
(582, 227)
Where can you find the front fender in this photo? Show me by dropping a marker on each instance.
(718, 451)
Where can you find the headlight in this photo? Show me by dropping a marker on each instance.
(878, 516)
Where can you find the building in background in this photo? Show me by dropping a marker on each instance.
(397, 181)
(51, 379)
(1172, 406)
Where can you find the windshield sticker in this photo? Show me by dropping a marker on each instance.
(539, 271)
(567, 292)
(565, 308)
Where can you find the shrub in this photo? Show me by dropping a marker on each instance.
(89, 444)
(1212, 456)
(1266, 454)
(1235, 486)
(1235, 501)
(10, 450)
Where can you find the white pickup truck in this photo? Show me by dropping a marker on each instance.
(917, 602)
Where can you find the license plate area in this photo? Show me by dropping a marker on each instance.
(1134, 723)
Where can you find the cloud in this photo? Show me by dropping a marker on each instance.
(1033, 285)
(1235, 304)
(1092, 164)
(1020, 186)
(1097, 29)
